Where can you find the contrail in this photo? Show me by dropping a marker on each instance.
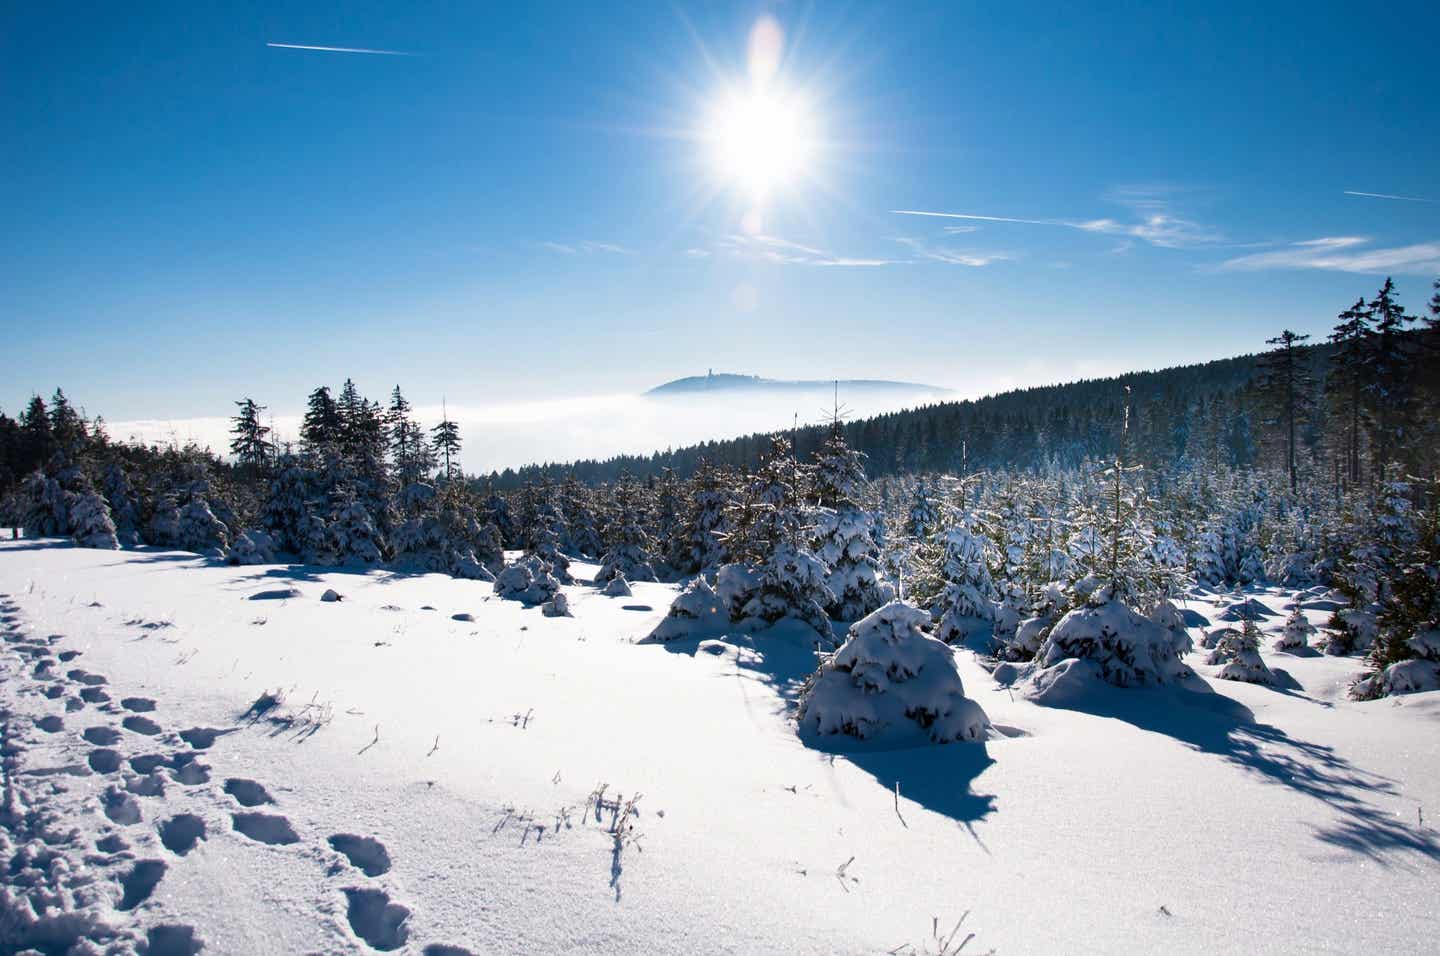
(338, 49)
(1351, 192)
(961, 215)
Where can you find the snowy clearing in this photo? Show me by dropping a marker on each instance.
(422, 767)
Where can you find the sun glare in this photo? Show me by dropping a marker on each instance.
(761, 140)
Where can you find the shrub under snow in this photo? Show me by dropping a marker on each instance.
(253, 546)
(697, 610)
(1297, 630)
(528, 580)
(890, 681)
(1126, 647)
(90, 522)
(1417, 674)
(1239, 652)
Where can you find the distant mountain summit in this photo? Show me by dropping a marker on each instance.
(729, 382)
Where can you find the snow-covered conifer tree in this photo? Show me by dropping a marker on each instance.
(891, 683)
(1297, 630)
(1240, 653)
(199, 530)
(90, 522)
(844, 535)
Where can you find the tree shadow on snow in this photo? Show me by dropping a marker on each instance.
(782, 657)
(939, 777)
(1198, 717)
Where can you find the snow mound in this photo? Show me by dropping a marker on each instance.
(1126, 648)
(331, 596)
(557, 606)
(697, 610)
(890, 683)
(617, 587)
(253, 546)
(528, 580)
(1250, 607)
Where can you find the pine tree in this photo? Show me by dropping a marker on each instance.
(844, 532)
(1389, 390)
(321, 425)
(447, 441)
(1347, 380)
(1284, 385)
(250, 446)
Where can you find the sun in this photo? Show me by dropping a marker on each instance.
(761, 140)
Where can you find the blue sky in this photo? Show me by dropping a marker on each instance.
(527, 206)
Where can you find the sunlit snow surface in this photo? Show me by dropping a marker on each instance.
(192, 755)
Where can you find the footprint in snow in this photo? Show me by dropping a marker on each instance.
(172, 940)
(139, 883)
(247, 793)
(120, 806)
(203, 738)
(101, 736)
(54, 692)
(376, 920)
(104, 760)
(148, 763)
(150, 785)
(68, 656)
(138, 705)
(51, 724)
(85, 677)
(367, 853)
(265, 828)
(189, 771)
(179, 834)
(445, 949)
(114, 843)
(140, 725)
(94, 695)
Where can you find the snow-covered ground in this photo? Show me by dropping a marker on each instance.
(512, 783)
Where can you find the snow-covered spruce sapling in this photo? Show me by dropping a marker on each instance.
(890, 682)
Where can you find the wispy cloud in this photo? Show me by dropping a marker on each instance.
(338, 49)
(1343, 254)
(1155, 224)
(586, 245)
(783, 251)
(1352, 192)
(953, 257)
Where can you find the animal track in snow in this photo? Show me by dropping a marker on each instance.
(140, 725)
(180, 833)
(104, 760)
(265, 828)
(101, 736)
(367, 853)
(375, 919)
(139, 705)
(139, 883)
(120, 806)
(247, 793)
